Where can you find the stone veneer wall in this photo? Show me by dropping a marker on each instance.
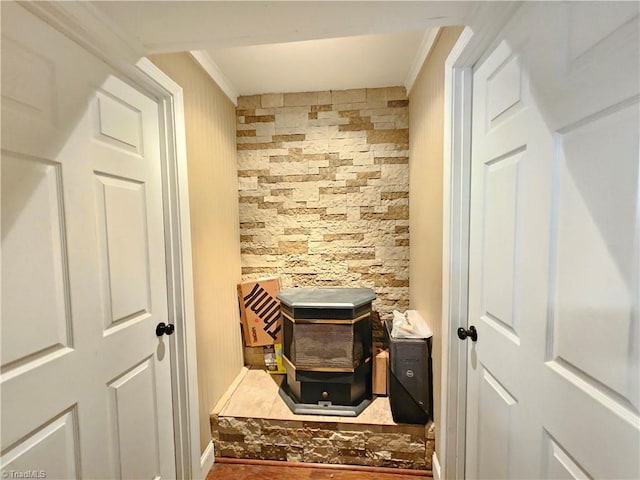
(324, 190)
(399, 446)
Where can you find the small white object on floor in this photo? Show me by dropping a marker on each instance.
(410, 324)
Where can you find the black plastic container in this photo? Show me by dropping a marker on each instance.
(410, 379)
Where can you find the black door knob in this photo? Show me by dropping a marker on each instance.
(164, 329)
(472, 333)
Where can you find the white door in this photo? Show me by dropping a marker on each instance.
(554, 247)
(86, 386)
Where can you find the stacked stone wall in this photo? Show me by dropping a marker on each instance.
(398, 446)
(324, 190)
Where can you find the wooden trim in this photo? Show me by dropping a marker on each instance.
(207, 459)
(206, 62)
(428, 41)
(456, 190)
(332, 321)
(326, 466)
(189, 462)
(86, 25)
(485, 23)
(435, 467)
(226, 396)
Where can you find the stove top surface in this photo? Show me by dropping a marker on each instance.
(318, 297)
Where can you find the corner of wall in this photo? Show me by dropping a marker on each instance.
(213, 199)
(426, 123)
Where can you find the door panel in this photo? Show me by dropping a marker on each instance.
(118, 124)
(83, 265)
(554, 262)
(122, 213)
(495, 427)
(595, 241)
(30, 87)
(505, 91)
(501, 194)
(560, 464)
(38, 265)
(134, 407)
(51, 451)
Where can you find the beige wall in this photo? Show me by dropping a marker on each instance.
(324, 190)
(213, 195)
(426, 117)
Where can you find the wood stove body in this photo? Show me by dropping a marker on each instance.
(327, 349)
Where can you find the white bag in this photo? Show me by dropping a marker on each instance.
(410, 325)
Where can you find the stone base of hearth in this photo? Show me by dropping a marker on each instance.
(253, 422)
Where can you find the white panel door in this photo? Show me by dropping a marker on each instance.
(86, 384)
(554, 247)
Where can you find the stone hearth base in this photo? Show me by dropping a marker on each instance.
(253, 422)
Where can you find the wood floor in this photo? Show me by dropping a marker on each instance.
(226, 470)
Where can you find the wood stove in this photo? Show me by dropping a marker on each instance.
(326, 336)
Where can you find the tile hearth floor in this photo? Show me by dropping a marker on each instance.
(257, 397)
(253, 422)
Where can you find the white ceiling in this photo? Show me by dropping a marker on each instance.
(282, 46)
(314, 65)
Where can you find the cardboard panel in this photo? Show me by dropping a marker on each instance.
(260, 311)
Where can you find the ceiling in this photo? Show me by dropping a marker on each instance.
(282, 46)
(315, 65)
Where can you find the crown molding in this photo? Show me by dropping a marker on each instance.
(206, 62)
(428, 41)
(85, 24)
(486, 20)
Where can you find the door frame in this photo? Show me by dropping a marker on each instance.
(474, 41)
(184, 375)
(472, 45)
(83, 23)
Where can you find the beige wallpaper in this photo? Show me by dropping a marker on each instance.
(425, 199)
(213, 194)
(324, 190)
